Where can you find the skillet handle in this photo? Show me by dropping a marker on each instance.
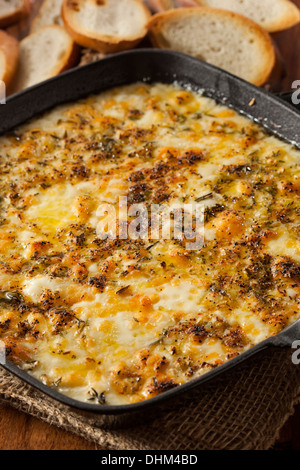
(291, 98)
(288, 337)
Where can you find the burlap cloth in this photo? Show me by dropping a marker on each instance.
(244, 408)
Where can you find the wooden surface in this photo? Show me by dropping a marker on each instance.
(21, 432)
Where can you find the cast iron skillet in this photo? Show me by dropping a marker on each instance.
(152, 65)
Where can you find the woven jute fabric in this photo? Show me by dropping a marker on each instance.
(244, 408)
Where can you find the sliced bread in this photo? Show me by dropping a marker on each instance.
(106, 25)
(48, 14)
(222, 38)
(273, 15)
(11, 11)
(9, 53)
(44, 54)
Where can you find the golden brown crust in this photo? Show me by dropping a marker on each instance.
(157, 22)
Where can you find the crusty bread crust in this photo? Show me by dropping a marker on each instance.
(158, 6)
(15, 16)
(290, 15)
(9, 48)
(157, 22)
(99, 42)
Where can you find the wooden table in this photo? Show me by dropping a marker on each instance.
(19, 431)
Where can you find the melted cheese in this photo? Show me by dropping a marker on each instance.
(119, 321)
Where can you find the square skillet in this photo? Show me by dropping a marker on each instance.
(150, 65)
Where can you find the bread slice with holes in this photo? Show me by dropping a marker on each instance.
(48, 14)
(9, 54)
(273, 15)
(44, 54)
(222, 38)
(12, 11)
(106, 25)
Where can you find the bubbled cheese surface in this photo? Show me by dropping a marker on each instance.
(120, 321)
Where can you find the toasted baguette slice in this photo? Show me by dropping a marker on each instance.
(44, 54)
(273, 15)
(49, 14)
(9, 54)
(222, 38)
(106, 25)
(12, 11)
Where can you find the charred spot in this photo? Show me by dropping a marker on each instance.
(205, 364)
(5, 324)
(77, 238)
(234, 338)
(98, 282)
(190, 158)
(61, 318)
(24, 308)
(159, 171)
(286, 268)
(161, 386)
(108, 150)
(161, 363)
(80, 170)
(198, 332)
(138, 193)
(96, 158)
(59, 271)
(92, 146)
(145, 153)
(135, 114)
(260, 265)
(283, 217)
(217, 289)
(137, 176)
(160, 195)
(257, 239)
(48, 298)
(260, 275)
(289, 186)
(25, 327)
(238, 170)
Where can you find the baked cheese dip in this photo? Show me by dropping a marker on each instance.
(119, 320)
